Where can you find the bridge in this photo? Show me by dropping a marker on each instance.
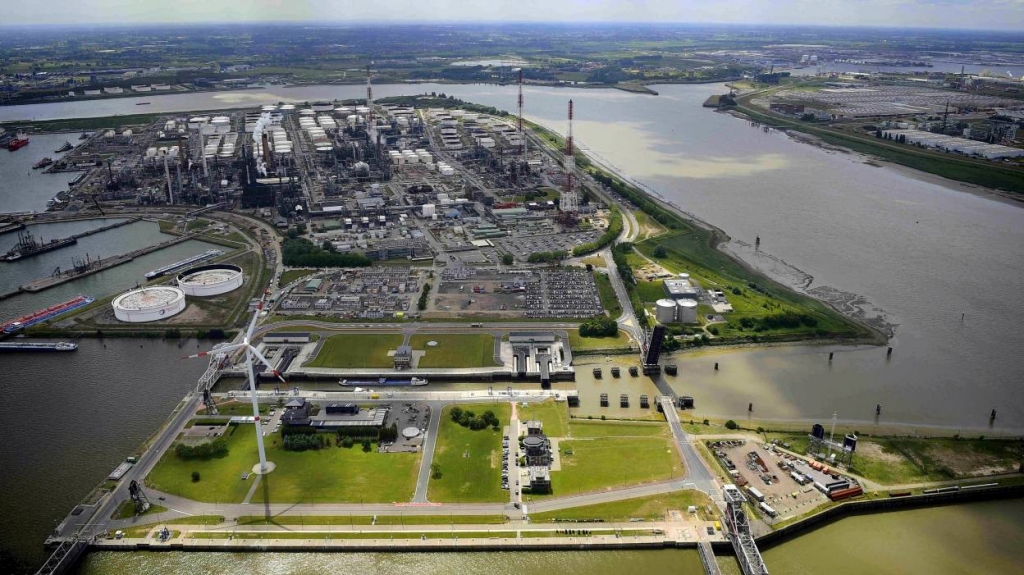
(743, 542)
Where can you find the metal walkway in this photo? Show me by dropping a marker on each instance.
(707, 558)
(743, 542)
(64, 557)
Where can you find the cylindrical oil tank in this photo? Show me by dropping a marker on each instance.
(687, 311)
(665, 311)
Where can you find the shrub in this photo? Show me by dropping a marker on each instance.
(731, 425)
(195, 477)
(214, 449)
(366, 445)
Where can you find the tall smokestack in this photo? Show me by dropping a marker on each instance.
(570, 200)
(522, 134)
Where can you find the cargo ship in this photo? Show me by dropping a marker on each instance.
(45, 314)
(42, 163)
(183, 263)
(18, 142)
(36, 346)
(28, 246)
(384, 381)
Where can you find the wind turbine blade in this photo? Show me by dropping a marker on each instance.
(252, 323)
(265, 362)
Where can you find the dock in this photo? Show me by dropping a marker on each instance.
(8, 228)
(47, 283)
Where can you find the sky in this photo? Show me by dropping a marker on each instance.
(974, 14)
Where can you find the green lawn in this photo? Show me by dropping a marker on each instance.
(607, 454)
(578, 343)
(456, 350)
(653, 507)
(292, 275)
(552, 414)
(236, 408)
(126, 510)
(333, 474)
(597, 428)
(470, 461)
(609, 301)
(369, 520)
(357, 350)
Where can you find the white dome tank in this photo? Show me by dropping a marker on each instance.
(149, 304)
(211, 280)
(687, 312)
(665, 311)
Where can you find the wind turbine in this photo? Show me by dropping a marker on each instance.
(251, 354)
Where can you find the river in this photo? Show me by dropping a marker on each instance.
(915, 253)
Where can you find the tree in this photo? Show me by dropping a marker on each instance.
(366, 445)
(731, 425)
(507, 259)
(195, 477)
(660, 252)
(456, 413)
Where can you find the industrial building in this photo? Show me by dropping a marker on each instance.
(955, 144)
(681, 288)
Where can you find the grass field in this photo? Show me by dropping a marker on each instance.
(605, 455)
(369, 520)
(552, 414)
(236, 408)
(578, 343)
(456, 350)
(651, 508)
(357, 350)
(332, 474)
(292, 275)
(126, 510)
(470, 461)
(609, 301)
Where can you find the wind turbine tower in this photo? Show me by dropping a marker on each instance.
(251, 356)
(570, 198)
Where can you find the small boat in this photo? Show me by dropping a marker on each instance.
(141, 103)
(67, 146)
(84, 136)
(42, 163)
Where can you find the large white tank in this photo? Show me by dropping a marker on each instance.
(148, 304)
(687, 312)
(665, 311)
(211, 280)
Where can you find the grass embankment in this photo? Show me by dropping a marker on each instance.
(357, 351)
(753, 298)
(469, 461)
(606, 455)
(142, 530)
(379, 520)
(553, 415)
(974, 171)
(902, 461)
(652, 508)
(126, 510)
(80, 124)
(455, 350)
(234, 408)
(589, 344)
(346, 535)
(291, 275)
(333, 474)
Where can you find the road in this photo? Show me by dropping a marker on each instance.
(697, 471)
(429, 444)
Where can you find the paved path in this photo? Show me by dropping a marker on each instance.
(429, 445)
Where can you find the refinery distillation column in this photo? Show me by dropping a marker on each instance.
(570, 199)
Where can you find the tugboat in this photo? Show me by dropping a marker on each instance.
(84, 136)
(18, 142)
(67, 146)
(42, 163)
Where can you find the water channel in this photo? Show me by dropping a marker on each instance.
(911, 251)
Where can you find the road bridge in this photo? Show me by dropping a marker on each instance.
(743, 543)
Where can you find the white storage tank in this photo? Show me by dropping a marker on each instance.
(148, 304)
(210, 280)
(687, 312)
(665, 311)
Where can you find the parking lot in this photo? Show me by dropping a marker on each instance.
(565, 293)
(760, 466)
(889, 100)
(522, 246)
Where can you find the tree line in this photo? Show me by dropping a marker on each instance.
(300, 252)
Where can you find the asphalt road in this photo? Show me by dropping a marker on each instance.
(429, 444)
